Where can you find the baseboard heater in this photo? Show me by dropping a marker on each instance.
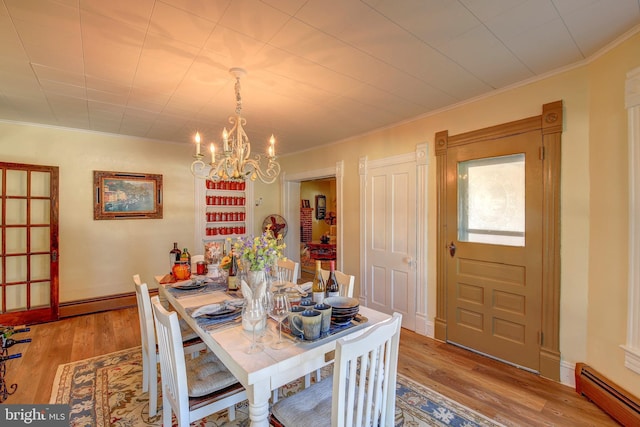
(614, 400)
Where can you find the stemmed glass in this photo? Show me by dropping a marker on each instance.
(254, 312)
(278, 281)
(267, 300)
(279, 311)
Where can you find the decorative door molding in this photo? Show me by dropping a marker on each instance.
(632, 102)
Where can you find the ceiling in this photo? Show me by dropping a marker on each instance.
(318, 71)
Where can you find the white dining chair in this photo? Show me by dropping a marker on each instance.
(361, 391)
(290, 269)
(345, 282)
(191, 388)
(192, 345)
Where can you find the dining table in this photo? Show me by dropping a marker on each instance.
(262, 372)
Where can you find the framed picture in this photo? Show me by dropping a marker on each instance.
(321, 206)
(125, 195)
(305, 203)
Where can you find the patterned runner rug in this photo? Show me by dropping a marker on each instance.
(107, 391)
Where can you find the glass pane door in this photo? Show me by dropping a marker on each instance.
(491, 200)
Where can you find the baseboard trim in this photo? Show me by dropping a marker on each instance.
(99, 304)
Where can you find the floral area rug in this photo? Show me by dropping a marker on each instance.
(107, 391)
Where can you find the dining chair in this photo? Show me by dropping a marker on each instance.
(345, 281)
(361, 391)
(290, 269)
(192, 345)
(191, 388)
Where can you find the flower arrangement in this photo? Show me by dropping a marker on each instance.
(260, 252)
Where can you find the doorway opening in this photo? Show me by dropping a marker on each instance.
(318, 223)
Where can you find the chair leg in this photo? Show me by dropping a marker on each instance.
(318, 375)
(166, 414)
(153, 390)
(145, 372)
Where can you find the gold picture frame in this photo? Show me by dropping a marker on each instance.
(126, 195)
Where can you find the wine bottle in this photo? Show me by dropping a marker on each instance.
(7, 331)
(318, 288)
(174, 255)
(232, 281)
(10, 356)
(10, 342)
(333, 289)
(185, 257)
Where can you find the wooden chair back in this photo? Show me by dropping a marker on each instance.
(290, 269)
(364, 377)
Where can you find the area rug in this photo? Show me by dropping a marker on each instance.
(107, 391)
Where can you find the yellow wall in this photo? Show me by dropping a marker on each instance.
(594, 195)
(98, 258)
(608, 204)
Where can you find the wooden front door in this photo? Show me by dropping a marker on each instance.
(29, 252)
(499, 238)
(494, 266)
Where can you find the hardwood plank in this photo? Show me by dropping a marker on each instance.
(504, 393)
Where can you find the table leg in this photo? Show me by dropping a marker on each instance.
(259, 395)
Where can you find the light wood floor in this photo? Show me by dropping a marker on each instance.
(511, 396)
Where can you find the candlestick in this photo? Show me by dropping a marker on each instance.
(213, 153)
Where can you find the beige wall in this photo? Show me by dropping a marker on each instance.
(594, 195)
(97, 258)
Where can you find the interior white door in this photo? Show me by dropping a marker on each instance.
(391, 240)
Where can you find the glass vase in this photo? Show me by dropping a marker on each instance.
(254, 286)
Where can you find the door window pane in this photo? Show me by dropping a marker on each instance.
(16, 268)
(17, 183)
(16, 240)
(40, 239)
(40, 184)
(16, 212)
(16, 297)
(491, 200)
(40, 210)
(40, 267)
(40, 294)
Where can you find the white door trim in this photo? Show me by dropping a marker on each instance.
(424, 322)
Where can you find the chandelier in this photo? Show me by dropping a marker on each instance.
(234, 163)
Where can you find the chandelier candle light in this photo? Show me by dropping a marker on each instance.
(236, 149)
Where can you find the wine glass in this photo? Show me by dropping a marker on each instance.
(253, 312)
(278, 281)
(279, 311)
(267, 300)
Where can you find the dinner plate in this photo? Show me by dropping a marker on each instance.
(227, 311)
(192, 285)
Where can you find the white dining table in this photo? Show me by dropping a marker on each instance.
(262, 372)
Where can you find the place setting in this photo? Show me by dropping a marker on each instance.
(210, 315)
